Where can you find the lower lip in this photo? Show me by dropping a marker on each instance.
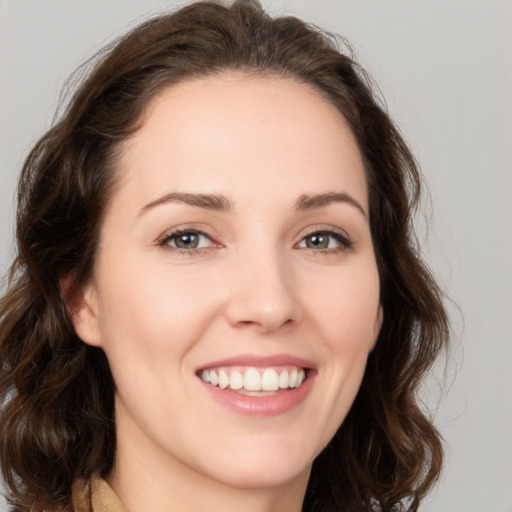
(264, 406)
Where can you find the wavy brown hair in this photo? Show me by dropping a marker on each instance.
(57, 393)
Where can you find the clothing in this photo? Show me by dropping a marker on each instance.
(95, 496)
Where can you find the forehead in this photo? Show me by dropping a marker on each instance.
(241, 132)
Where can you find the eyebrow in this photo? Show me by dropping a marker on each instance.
(206, 201)
(218, 202)
(310, 202)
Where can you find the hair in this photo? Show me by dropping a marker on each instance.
(57, 393)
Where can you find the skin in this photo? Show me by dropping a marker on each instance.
(256, 285)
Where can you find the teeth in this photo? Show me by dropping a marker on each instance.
(223, 380)
(269, 381)
(213, 378)
(292, 379)
(283, 379)
(236, 380)
(255, 380)
(252, 380)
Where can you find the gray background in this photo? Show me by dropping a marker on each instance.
(444, 67)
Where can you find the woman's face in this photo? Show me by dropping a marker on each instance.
(235, 250)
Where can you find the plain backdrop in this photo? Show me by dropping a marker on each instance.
(445, 69)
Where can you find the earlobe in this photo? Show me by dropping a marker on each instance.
(82, 306)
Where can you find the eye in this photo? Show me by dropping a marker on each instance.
(186, 240)
(326, 240)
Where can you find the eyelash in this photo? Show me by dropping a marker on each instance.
(341, 238)
(167, 238)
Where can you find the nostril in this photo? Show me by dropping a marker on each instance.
(263, 297)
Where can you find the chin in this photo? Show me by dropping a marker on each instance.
(258, 477)
(261, 468)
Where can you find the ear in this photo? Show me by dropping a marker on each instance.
(82, 306)
(377, 327)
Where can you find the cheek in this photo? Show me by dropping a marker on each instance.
(152, 313)
(346, 316)
(151, 322)
(346, 308)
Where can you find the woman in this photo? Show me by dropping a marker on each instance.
(216, 285)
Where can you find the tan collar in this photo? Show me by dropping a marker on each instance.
(95, 496)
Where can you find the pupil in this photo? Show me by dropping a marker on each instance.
(187, 241)
(318, 242)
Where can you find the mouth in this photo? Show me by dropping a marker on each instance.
(261, 386)
(255, 380)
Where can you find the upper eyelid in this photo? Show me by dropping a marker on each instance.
(325, 229)
(173, 233)
(186, 229)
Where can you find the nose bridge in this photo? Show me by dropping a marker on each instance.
(263, 290)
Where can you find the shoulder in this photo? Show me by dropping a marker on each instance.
(95, 495)
(81, 494)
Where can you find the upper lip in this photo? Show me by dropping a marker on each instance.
(260, 361)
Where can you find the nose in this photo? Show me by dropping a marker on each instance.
(263, 294)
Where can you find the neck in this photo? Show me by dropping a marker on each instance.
(144, 478)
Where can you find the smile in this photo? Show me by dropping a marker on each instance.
(255, 381)
(261, 386)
